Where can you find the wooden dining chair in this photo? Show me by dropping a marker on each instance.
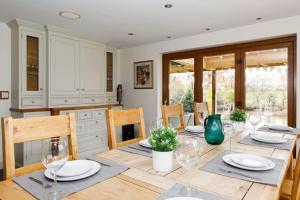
(116, 118)
(22, 130)
(198, 109)
(291, 187)
(174, 110)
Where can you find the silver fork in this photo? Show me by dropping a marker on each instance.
(238, 173)
(42, 183)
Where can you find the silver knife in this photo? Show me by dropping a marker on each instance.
(238, 173)
(139, 149)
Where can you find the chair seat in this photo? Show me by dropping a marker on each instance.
(286, 190)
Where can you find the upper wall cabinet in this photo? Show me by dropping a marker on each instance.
(28, 64)
(92, 62)
(64, 66)
(77, 71)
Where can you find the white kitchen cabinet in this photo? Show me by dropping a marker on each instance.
(92, 69)
(29, 152)
(91, 130)
(28, 64)
(111, 75)
(64, 66)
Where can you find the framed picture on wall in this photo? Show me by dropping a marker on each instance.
(143, 75)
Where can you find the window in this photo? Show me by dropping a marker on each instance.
(255, 75)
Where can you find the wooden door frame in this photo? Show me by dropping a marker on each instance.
(239, 50)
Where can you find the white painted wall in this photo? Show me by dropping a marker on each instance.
(151, 100)
(5, 67)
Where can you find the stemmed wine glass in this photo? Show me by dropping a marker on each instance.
(54, 156)
(228, 130)
(267, 113)
(254, 118)
(187, 155)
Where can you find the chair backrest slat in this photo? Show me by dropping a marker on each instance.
(174, 110)
(31, 129)
(116, 118)
(198, 109)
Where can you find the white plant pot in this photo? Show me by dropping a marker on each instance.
(162, 161)
(239, 126)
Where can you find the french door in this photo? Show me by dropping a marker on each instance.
(251, 76)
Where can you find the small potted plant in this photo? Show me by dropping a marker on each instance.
(163, 141)
(239, 118)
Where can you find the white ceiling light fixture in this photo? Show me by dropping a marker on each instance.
(69, 14)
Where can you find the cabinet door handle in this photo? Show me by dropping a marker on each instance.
(82, 89)
(41, 89)
(93, 99)
(77, 89)
(65, 100)
(32, 102)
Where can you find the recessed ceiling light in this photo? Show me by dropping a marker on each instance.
(130, 33)
(169, 37)
(207, 29)
(168, 5)
(258, 18)
(73, 15)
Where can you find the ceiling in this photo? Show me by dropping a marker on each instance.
(110, 21)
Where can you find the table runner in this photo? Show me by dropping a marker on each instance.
(267, 129)
(137, 149)
(270, 177)
(70, 187)
(249, 141)
(179, 190)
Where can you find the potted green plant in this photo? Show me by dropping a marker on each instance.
(239, 117)
(163, 141)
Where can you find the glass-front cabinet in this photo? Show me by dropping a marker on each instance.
(111, 76)
(33, 62)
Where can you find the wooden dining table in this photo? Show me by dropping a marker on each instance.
(141, 182)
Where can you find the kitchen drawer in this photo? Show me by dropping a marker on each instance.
(60, 101)
(99, 114)
(84, 115)
(92, 141)
(80, 128)
(93, 100)
(111, 99)
(32, 101)
(95, 125)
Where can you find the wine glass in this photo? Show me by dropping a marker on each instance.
(228, 130)
(268, 113)
(54, 156)
(203, 115)
(254, 118)
(187, 155)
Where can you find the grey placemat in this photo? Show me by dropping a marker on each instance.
(179, 190)
(137, 149)
(70, 187)
(267, 129)
(193, 134)
(249, 141)
(270, 177)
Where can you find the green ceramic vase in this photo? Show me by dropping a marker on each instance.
(213, 129)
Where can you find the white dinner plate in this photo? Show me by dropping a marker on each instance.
(74, 168)
(268, 164)
(95, 168)
(248, 160)
(145, 143)
(269, 138)
(183, 198)
(279, 127)
(195, 129)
